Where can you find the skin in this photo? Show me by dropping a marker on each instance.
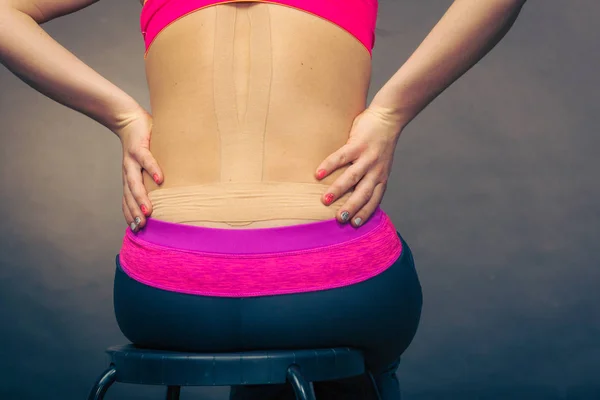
(467, 31)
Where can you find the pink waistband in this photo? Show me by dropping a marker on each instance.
(259, 261)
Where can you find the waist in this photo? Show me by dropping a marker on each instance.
(243, 204)
(261, 261)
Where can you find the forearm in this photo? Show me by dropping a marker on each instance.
(466, 32)
(37, 59)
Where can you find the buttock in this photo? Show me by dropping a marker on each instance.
(378, 315)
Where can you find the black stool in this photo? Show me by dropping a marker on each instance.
(130, 364)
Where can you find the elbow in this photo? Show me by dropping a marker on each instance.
(513, 4)
(515, 9)
(508, 11)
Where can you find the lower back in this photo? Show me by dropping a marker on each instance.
(247, 100)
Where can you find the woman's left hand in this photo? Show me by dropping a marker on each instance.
(370, 151)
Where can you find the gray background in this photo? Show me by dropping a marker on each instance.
(494, 186)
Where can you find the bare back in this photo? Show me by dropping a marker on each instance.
(247, 99)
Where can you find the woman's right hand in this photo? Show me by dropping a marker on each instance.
(134, 133)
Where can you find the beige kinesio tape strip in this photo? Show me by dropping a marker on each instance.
(242, 103)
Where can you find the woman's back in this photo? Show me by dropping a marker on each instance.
(247, 99)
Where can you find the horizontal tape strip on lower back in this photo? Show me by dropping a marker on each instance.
(243, 202)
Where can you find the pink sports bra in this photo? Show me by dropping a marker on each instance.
(358, 17)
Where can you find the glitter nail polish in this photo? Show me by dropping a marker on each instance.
(345, 215)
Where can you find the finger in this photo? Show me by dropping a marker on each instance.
(130, 205)
(344, 155)
(369, 208)
(134, 209)
(149, 163)
(126, 212)
(136, 186)
(349, 178)
(362, 194)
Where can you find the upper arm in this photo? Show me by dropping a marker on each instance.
(45, 10)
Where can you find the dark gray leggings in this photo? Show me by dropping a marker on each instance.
(379, 316)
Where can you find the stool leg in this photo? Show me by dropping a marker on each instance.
(103, 383)
(302, 387)
(375, 388)
(173, 392)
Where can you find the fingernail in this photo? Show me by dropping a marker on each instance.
(144, 209)
(345, 216)
(138, 220)
(155, 177)
(133, 226)
(321, 173)
(357, 221)
(328, 198)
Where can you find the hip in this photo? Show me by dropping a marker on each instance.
(259, 261)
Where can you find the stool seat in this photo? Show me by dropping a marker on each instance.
(174, 369)
(159, 367)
